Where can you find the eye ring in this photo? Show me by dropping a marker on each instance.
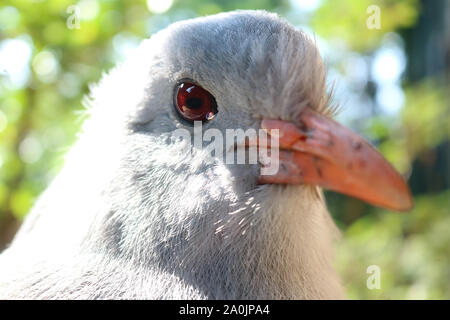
(194, 103)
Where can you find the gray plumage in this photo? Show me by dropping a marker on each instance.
(131, 216)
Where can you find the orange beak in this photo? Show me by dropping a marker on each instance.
(322, 152)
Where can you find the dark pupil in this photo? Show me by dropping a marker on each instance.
(194, 103)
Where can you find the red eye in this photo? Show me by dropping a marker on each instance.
(195, 103)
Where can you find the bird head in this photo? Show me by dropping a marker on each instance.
(244, 70)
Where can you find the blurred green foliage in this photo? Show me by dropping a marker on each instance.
(412, 251)
(39, 118)
(346, 20)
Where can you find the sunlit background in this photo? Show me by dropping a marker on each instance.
(392, 84)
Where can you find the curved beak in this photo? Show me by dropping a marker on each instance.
(322, 152)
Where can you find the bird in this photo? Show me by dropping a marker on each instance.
(138, 214)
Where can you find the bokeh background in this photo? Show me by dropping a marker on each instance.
(392, 84)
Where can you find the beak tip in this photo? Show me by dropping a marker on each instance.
(404, 203)
(409, 204)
